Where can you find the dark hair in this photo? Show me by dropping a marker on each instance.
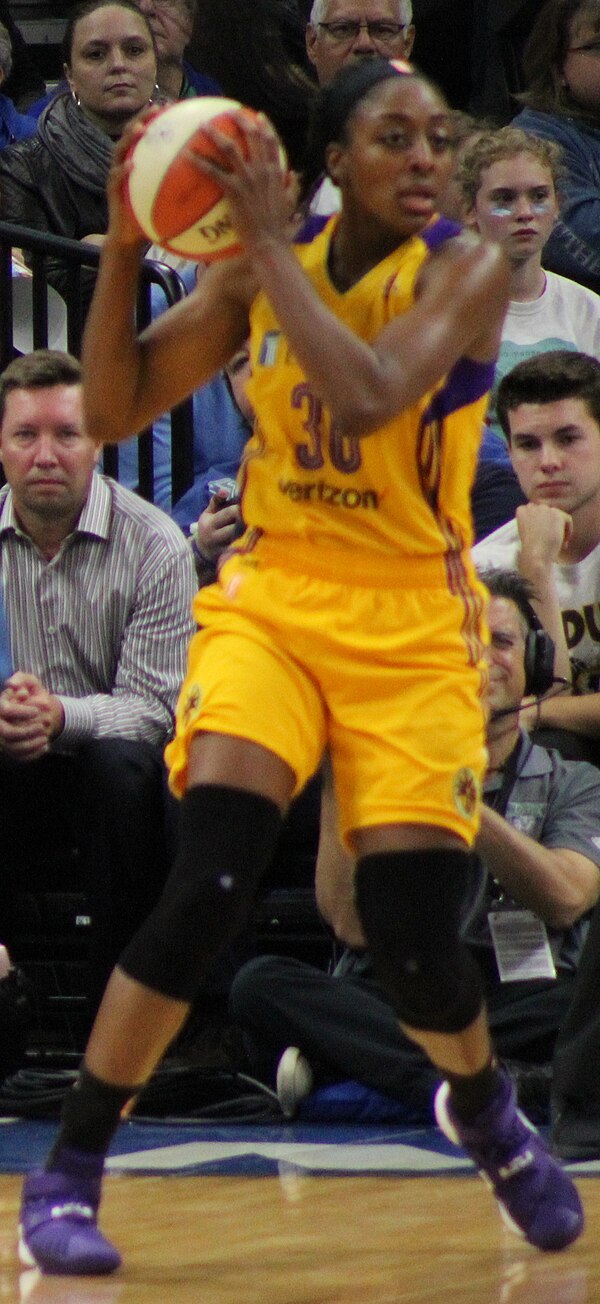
(547, 378)
(514, 587)
(38, 370)
(544, 55)
(336, 103)
(89, 7)
(251, 48)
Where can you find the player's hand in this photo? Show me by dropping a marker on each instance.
(262, 196)
(122, 226)
(217, 526)
(544, 531)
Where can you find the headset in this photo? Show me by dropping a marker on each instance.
(539, 662)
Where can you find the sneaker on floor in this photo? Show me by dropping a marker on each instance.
(58, 1232)
(294, 1080)
(536, 1198)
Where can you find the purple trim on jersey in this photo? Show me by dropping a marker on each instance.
(312, 228)
(467, 382)
(440, 231)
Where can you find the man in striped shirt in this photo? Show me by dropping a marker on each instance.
(97, 587)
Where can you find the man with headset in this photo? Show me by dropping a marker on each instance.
(535, 877)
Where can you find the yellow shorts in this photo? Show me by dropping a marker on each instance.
(379, 675)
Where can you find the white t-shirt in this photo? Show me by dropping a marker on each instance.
(565, 316)
(578, 588)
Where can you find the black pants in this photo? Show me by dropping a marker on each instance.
(102, 811)
(347, 1030)
(576, 1069)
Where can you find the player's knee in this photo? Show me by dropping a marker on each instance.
(227, 840)
(409, 905)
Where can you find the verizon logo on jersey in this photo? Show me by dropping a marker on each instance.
(319, 491)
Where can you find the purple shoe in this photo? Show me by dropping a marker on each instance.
(536, 1197)
(58, 1232)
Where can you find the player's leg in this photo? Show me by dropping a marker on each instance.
(408, 771)
(410, 884)
(236, 790)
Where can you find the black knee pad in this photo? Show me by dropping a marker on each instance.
(227, 838)
(410, 905)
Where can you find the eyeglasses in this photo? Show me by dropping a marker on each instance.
(593, 48)
(381, 33)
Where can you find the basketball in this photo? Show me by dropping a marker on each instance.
(175, 205)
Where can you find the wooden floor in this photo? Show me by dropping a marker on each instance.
(310, 1240)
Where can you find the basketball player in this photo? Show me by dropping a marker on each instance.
(348, 618)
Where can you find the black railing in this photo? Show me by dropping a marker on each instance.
(75, 258)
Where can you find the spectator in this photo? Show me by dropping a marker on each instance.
(549, 409)
(97, 589)
(339, 33)
(562, 69)
(56, 181)
(510, 182)
(214, 498)
(171, 23)
(539, 856)
(244, 45)
(13, 125)
(25, 82)
(576, 1079)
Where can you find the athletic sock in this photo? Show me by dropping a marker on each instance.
(90, 1116)
(471, 1093)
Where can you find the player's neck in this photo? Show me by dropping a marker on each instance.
(352, 254)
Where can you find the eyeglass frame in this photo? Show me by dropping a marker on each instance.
(360, 25)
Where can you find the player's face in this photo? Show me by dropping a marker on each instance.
(113, 65)
(47, 457)
(397, 156)
(505, 655)
(171, 25)
(516, 206)
(329, 50)
(555, 450)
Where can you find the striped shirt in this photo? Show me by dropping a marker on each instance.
(106, 623)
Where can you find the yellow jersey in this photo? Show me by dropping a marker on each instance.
(403, 489)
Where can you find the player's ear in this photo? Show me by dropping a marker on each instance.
(334, 155)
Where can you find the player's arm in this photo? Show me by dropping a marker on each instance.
(459, 312)
(366, 385)
(129, 378)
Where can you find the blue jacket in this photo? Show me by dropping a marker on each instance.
(14, 125)
(574, 246)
